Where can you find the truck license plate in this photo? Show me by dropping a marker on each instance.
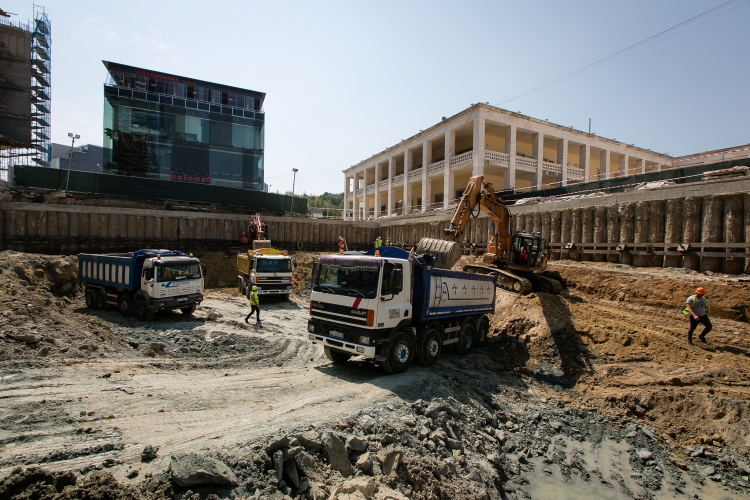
(335, 334)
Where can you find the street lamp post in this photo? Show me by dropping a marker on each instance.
(294, 172)
(70, 159)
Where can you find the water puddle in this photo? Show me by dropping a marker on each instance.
(604, 471)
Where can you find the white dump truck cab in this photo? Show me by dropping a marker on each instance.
(269, 269)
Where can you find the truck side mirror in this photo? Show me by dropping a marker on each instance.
(314, 269)
(294, 263)
(203, 270)
(397, 281)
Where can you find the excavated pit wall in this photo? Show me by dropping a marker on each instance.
(630, 228)
(65, 229)
(634, 228)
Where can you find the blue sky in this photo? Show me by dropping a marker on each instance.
(344, 80)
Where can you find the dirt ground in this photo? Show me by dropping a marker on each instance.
(593, 392)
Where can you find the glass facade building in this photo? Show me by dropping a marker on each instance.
(169, 127)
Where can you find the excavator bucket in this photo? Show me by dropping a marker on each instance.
(260, 244)
(446, 253)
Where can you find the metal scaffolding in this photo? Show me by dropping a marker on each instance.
(39, 154)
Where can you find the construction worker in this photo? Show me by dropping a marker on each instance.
(491, 245)
(342, 244)
(387, 241)
(378, 242)
(697, 311)
(254, 304)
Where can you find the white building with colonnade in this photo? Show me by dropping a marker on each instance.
(515, 152)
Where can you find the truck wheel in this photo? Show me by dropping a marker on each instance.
(101, 301)
(188, 310)
(141, 310)
(336, 357)
(400, 354)
(123, 305)
(483, 329)
(90, 299)
(466, 338)
(430, 348)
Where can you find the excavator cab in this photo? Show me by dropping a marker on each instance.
(527, 252)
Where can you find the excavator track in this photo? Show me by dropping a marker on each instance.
(504, 279)
(546, 284)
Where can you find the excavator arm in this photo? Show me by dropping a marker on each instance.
(480, 196)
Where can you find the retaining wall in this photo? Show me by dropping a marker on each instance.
(62, 229)
(703, 226)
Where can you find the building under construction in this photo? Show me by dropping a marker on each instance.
(25, 91)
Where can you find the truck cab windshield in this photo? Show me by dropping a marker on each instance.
(178, 272)
(273, 265)
(358, 281)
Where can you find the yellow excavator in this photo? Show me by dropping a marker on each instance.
(516, 260)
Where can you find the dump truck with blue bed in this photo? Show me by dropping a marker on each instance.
(143, 282)
(395, 306)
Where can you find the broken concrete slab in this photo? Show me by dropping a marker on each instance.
(192, 470)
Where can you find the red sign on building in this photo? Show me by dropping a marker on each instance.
(189, 178)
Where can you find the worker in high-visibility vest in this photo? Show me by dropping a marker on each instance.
(378, 242)
(254, 304)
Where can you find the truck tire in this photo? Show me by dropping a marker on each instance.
(300, 245)
(400, 354)
(90, 299)
(141, 309)
(124, 305)
(466, 338)
(430, 347)
(336, 357)
(101, 300)
(483, 330)
(188, 310)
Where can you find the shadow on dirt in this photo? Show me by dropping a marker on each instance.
(574, 355)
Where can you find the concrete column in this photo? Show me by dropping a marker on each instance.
(546, 224)
(576, 230)
(510, 148)
(713, 230)
(656, 232)
(448, 194)
(641, 167)
(641, 231)
(555, 232)
(355, 208)
(391, 170)
(426, 185)
(599, 233)
(627, 216)
(733, 231)
(477, 167)
(538, 153)
(673, 229)
(346, 192)
(566, 220)
(613, 231)
(623, 170)
(691, 219)
(585, 161)
(377, 191)
(562, 159)
(604, 164)
(587, 230)
(408, 157)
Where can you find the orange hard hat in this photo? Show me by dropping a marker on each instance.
(700, 290)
